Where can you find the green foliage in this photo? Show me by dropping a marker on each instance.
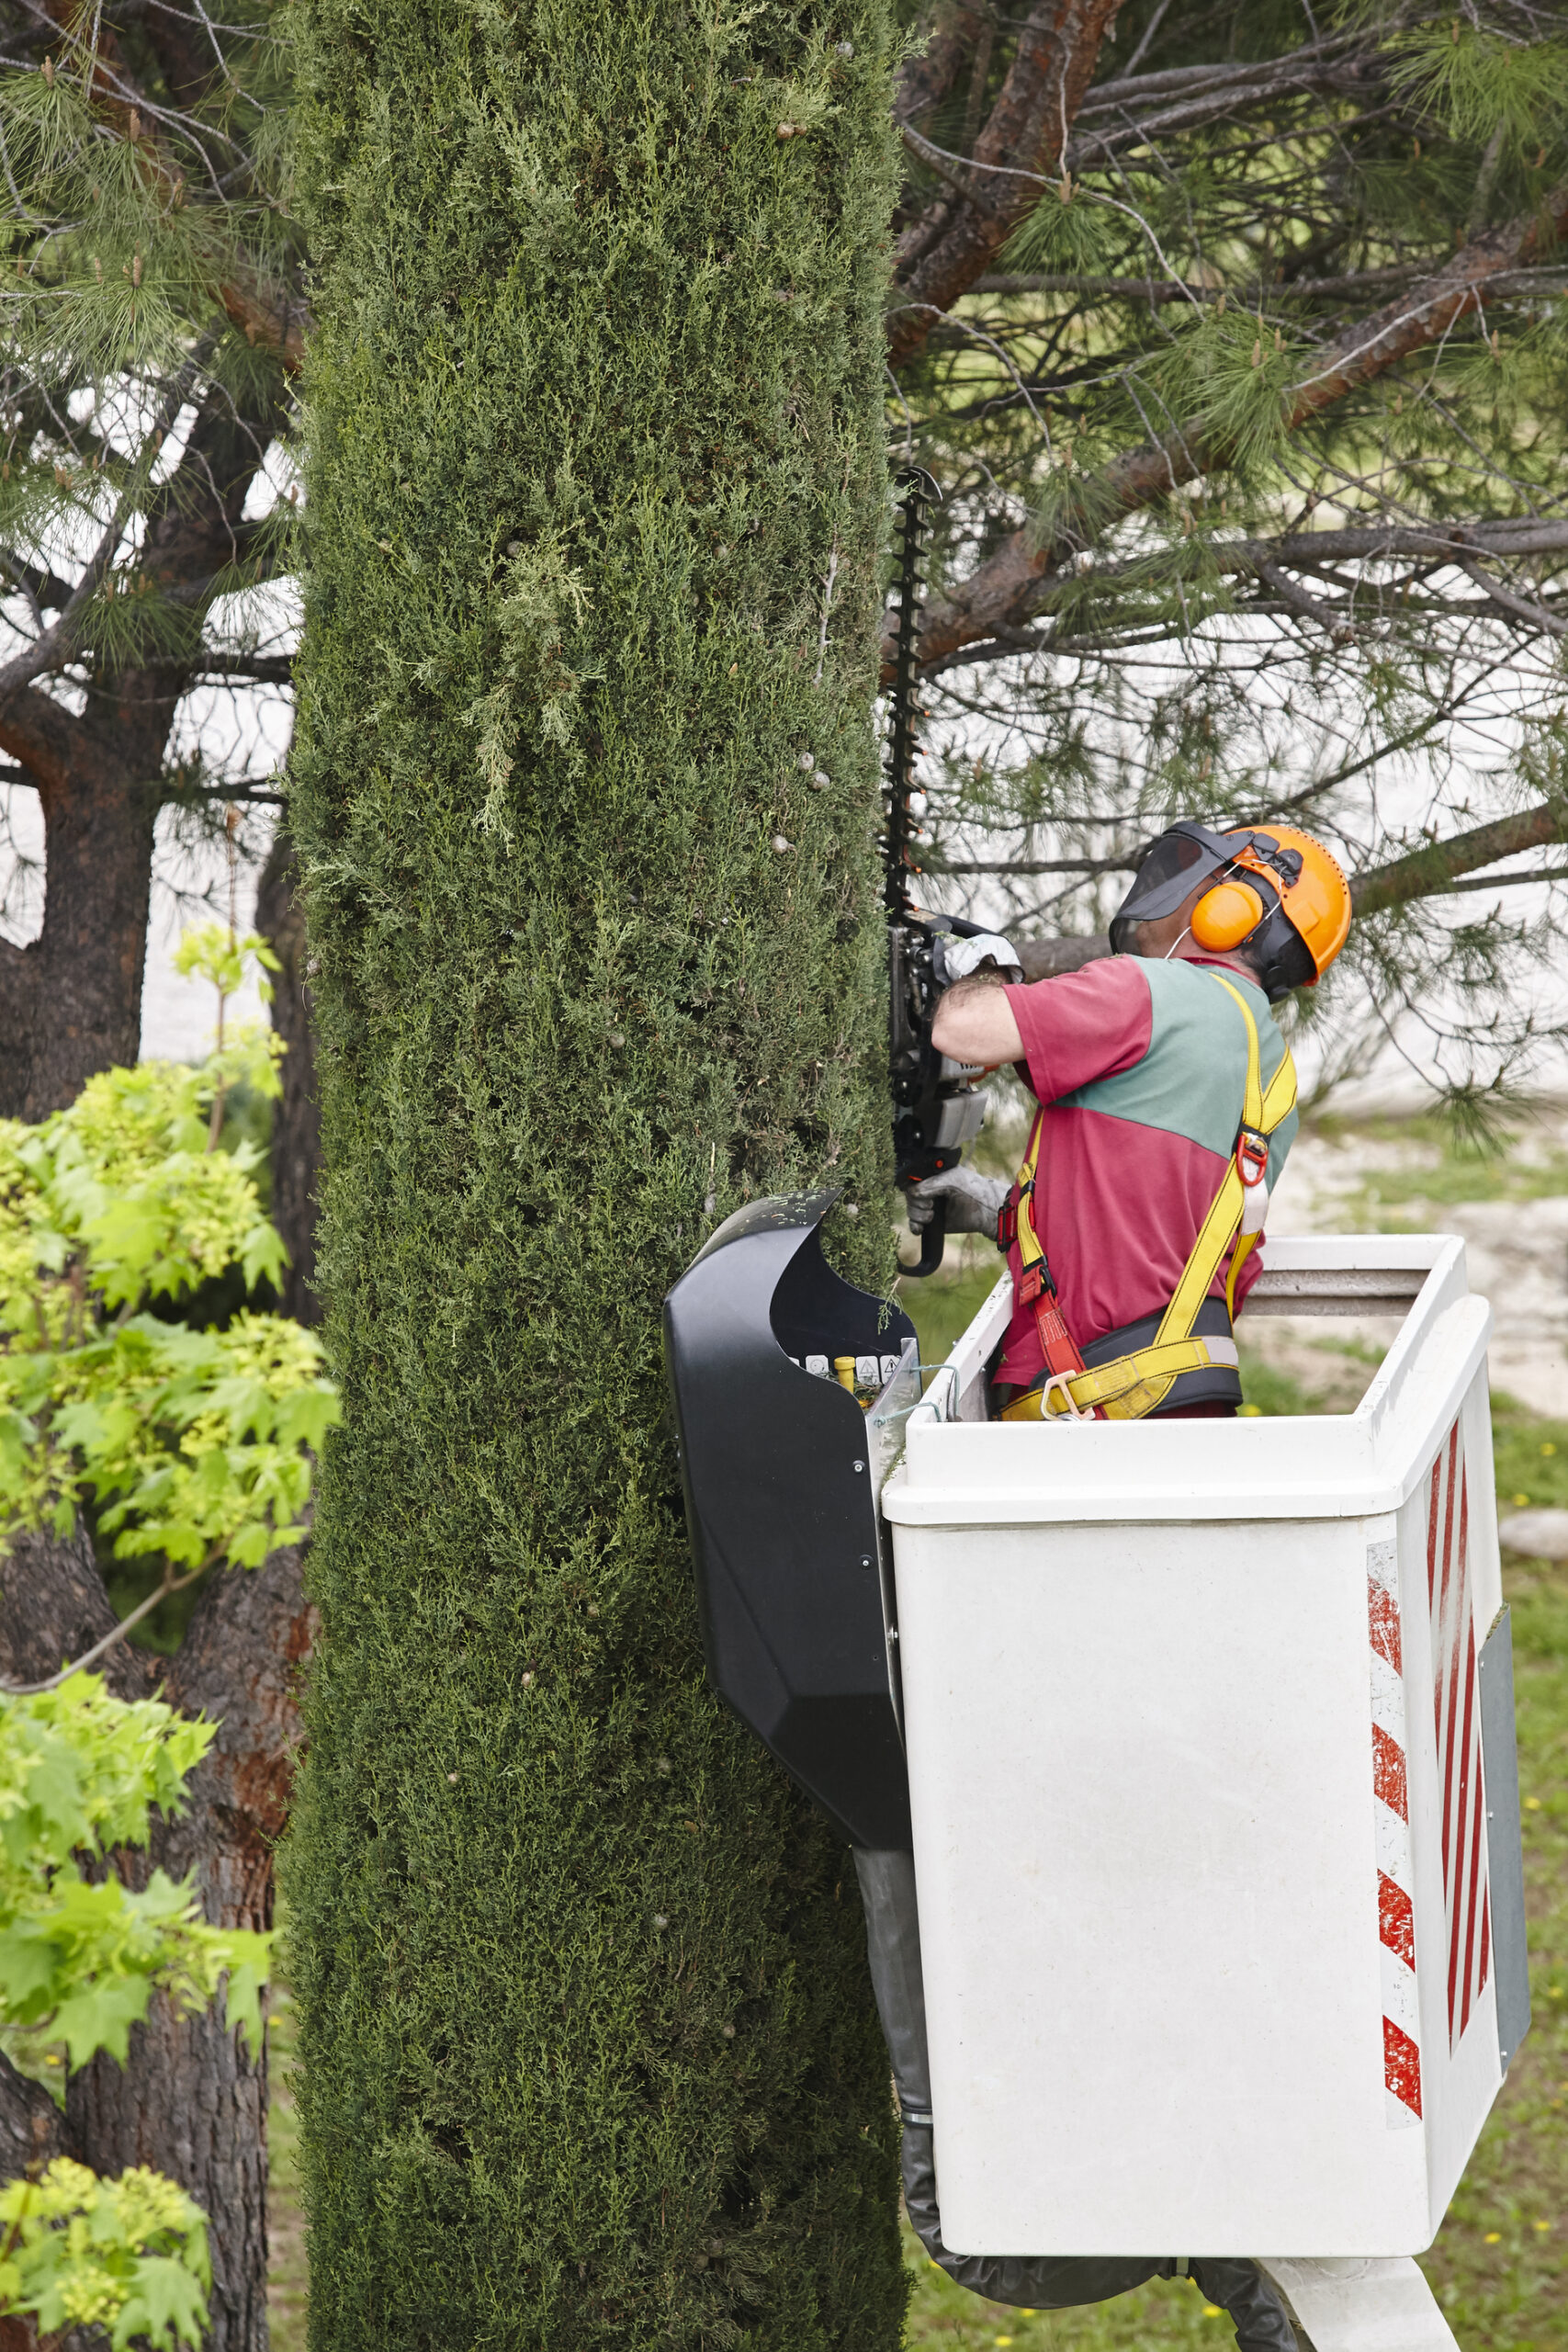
(127, 2256)
(597, 499)
(1480, 84)
(1191, 282)
(79, 1957)
(150, 258)
(1063, 234)
(210, 951)
(193, 1444)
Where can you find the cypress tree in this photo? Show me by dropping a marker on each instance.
(586, 793)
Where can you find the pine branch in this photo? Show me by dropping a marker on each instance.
(45, 591)
(265, 316)
(1026, 140)
(1302, 602)
(1503, 881)
(1211, 94)
(1431, 547)
(259, 669)
(1546, 278)
(1524, 608)
(1132, 91)
(1434, 543)
(1427, 872)
(1033, 865)
(54, 649)
(1023, 140)
(1003, 593)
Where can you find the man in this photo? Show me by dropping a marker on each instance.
(1167, 1109)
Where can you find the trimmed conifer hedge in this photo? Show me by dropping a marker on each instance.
(586, 793)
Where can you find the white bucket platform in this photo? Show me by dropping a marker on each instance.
(1210, 1740)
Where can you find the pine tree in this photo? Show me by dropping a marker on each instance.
(586, 794)
(1235, 336)
(153, 321)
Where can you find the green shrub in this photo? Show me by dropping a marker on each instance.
(587, 795)
(190, 1445)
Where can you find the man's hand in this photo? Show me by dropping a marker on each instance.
(972, 1201)
(954, 959)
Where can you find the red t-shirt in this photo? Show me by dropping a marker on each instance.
(1140, 1068)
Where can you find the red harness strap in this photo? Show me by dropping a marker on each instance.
(1036, 1287)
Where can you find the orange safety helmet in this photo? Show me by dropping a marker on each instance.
(1277, 893)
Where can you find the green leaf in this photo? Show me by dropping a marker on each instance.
(101, 2016)
(166, 2303)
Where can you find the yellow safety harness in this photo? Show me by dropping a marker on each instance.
(1131, 1385)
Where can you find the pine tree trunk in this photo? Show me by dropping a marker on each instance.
(192, 2100)
(586, 792)
(70, 1002)
(296, 1120)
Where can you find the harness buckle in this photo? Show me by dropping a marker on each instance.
(1071, 1409)
(1251, 1157)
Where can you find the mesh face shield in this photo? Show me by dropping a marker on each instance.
(1182, 859)
(1188, 856)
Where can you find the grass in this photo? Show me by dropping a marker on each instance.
(1443, 1171)
(943, 1305)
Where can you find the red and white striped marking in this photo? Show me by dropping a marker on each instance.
(1455, 1702)
(1396, 1908)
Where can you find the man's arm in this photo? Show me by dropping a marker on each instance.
(975, 1022)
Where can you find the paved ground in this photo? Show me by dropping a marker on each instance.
(1517, 1247)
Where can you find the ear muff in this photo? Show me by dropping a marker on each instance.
(1226, 916)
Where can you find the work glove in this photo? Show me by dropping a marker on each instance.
(972, 1199)
(954, 958)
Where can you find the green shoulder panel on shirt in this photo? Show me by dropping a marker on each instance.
(1193, 1079)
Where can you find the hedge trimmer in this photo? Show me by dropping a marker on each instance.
(936, 1109)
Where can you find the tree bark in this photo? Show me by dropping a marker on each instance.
(1024, 139)
(192, 2100)
(70, 1002)
(930, 72)
(295, 1118)
(53, 1608)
